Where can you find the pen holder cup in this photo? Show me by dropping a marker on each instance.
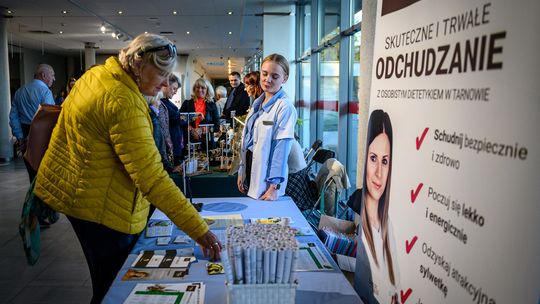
(261, 293)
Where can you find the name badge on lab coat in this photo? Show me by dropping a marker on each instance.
(268, 123)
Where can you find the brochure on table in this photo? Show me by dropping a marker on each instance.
(459, 83)
(183, 293)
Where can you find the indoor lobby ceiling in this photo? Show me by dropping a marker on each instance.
(210, 30)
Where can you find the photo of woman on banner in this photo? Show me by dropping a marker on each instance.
(377, 273)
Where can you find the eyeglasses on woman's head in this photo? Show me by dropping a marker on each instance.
(167, 51)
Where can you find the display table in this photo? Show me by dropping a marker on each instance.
(314, 286)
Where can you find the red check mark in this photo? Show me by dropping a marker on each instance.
(414, 193)
(409, 246)
(405, 296)
(421, 139)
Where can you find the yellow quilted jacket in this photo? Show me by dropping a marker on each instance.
(102, 164)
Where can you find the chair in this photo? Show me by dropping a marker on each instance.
(314, 147)
(331, 180)
(300, 185)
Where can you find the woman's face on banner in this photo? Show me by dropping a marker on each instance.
(378, 166)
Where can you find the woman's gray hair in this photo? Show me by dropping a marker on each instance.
(221, 92)
(209, 89)
(135, 52)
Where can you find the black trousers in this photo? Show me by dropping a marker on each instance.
(105, 250)
(249, 161)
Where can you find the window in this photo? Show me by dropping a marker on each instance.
(327, 105)
(352, 106)
(330, 19)
(328, 57)
(304, 103)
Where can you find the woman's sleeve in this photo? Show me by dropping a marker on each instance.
(215, 116)
(131, 136)
(285, 121)
(283, 136)
(278, 161)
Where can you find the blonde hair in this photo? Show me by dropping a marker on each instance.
(209, 89)
(280, 60)
(135, 52)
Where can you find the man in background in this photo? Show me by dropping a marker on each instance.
(238, 99)
(25, 104)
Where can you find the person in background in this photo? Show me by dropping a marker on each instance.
(175, 129)
(377, 272)
(268, 135)
(114, 170)
(65, 92)
(253, 85)
(296, 160)
(202, 103)
(238, 99)
(163, 116)
(25, 104)
(221, 98)
(156, 112)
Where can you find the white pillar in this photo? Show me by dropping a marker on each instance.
(279, 37)
(369, 14)
(89, 54)
(6, 147)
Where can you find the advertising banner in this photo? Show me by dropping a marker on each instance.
(451, 194)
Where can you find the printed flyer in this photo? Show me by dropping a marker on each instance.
(451, 187)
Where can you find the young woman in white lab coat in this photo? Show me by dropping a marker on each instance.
(268, 135)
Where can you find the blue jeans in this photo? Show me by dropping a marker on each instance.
(105, 250)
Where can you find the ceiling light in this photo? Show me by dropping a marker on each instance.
(64, 12)
(146, 32)
(187, 32)
(175, 12)
(60, 32)
(9, 11)
(120, 12)
(230, 33)
(229, 13)
(230, 47)
(103, 28)
(113, 35)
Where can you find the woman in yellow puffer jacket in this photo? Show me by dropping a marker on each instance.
(102, 168)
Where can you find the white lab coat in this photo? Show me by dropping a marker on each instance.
(277, 123)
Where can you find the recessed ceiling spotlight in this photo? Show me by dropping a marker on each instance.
(229, 13)
(187, 32)
(64, 12)
(120, 12)
(9, 11)
(60, 32)
(103, 28)
(175, 12)
(146, 32)
(113, 35)
(230, 33)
